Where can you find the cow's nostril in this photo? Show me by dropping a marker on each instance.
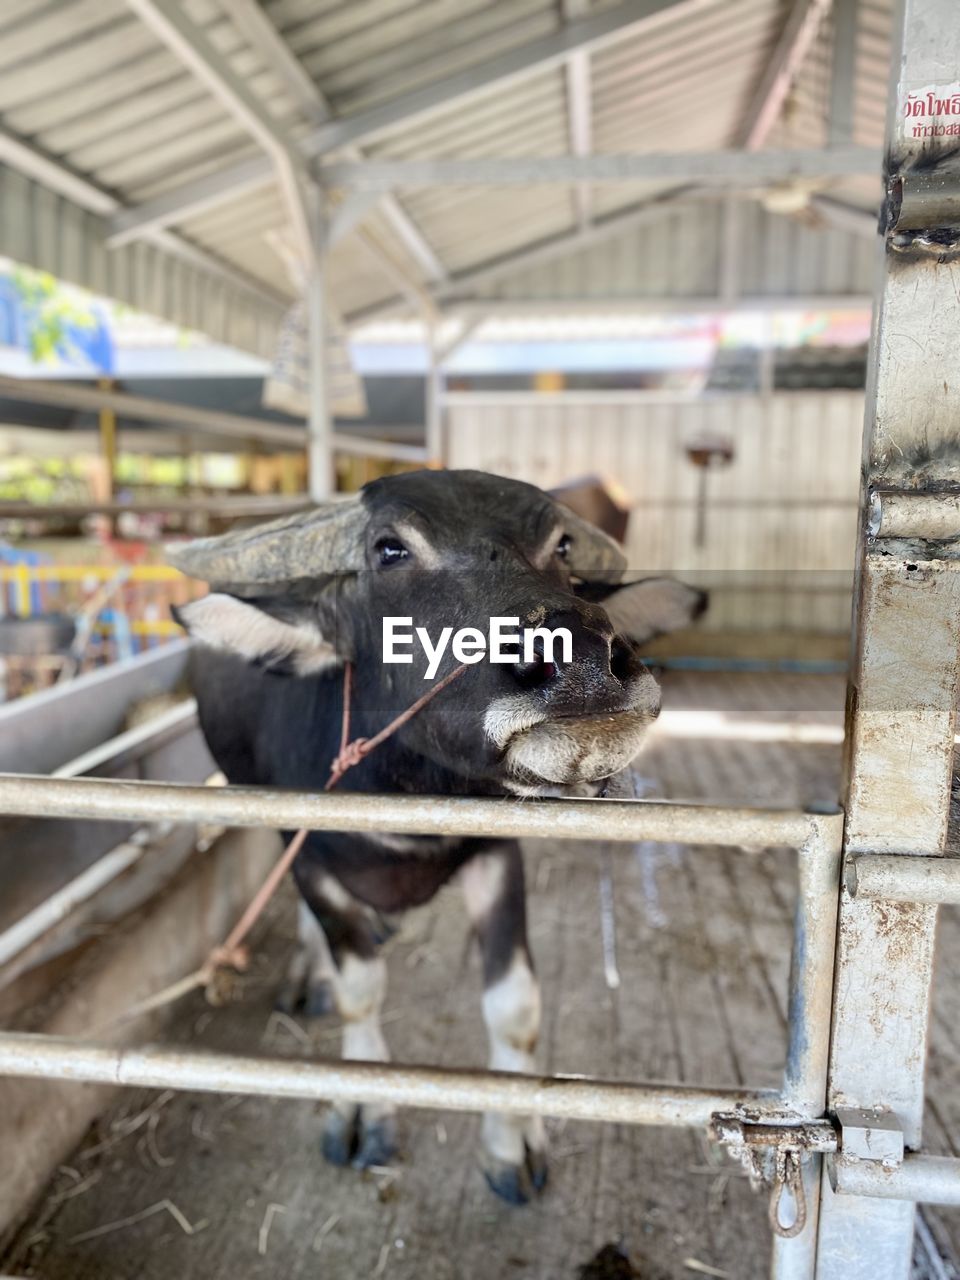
(623, 661)
(533, 674)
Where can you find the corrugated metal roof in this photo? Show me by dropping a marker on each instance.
(88, 83)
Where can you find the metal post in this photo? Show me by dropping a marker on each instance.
(434, 399)
(811, 996)
(904, 676)
(108, 438)
(322, 481)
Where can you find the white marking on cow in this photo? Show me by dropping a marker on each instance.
(569, 751)
(511, 1011)
(333, 892)
(548, 548)
(420, 545)
(233, 625)
(482, 883)
(319, 965)
(508, 716)
(359, 989)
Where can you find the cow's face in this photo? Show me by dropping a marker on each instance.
(451, 550)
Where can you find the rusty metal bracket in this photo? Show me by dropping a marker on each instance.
(773, 1154)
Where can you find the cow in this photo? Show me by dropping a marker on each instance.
(291, 601)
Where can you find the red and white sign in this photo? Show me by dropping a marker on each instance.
(932, 111)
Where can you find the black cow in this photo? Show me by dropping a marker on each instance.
(291, 599)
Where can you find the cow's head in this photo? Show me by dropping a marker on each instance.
(452, 549)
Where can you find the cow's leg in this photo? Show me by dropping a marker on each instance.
(361, 1135)
(308, 986)
(365, 1135)
(514, 1147)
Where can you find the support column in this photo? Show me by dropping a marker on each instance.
(322, 480)
(434, 400)
(903, 688)
(108, 439)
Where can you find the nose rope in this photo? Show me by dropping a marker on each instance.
(351, 753)
(232, 953)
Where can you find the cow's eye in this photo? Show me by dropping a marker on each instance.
(390, 550)
(564, 545)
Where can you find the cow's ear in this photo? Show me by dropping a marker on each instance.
(268, 632)
(648, 608)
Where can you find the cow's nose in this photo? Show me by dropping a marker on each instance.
(538, 671)
(591, 654)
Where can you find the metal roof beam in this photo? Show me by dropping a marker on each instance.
(205, 193)
(579, 110)
(544, 251)
(580, 123)
(723, 168)
(531, 58)
(846, 217)
(459, 293)
(51, 172)
(671, 304)
(260, 33)
(255, 26)
(528, 59)
(189, 44)
(843, 71)
(798, 34)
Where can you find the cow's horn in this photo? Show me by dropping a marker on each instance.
(593, 551)
(308, 544)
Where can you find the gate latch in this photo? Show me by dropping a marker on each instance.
(772, 1154)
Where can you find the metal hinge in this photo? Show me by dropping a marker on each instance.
(773, 1154)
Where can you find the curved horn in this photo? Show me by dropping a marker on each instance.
(593, 551)
(308, 544)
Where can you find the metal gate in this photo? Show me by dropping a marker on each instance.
(840, 1142)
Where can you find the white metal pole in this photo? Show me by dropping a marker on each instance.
(904, 674)
(319, 429)
(434, 399)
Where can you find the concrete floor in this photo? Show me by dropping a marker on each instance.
(196, 1186)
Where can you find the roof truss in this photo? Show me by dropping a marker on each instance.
(531, 58)
(798, 34)
(723, 168)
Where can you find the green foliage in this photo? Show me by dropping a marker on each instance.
(50, 311)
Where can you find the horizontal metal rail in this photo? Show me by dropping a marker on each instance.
(816, 837)
(904, 878)
(922, 1179)
(574, 1098)
(131, 745)
(63, 902)
(26, 795)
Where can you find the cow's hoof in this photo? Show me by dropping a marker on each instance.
(319, 1001)
(351, 1140)
(312, 999)
(339, 1137)
(378, 1143)
(516, 1183)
